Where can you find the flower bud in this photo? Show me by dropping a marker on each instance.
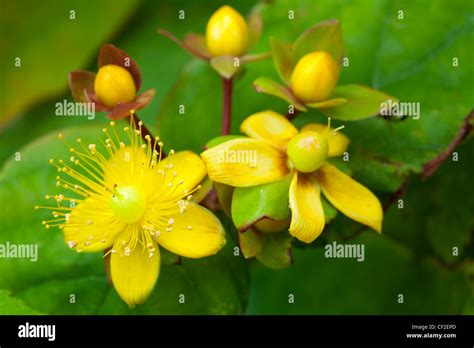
(314, 77)
(114, 84)
(226, 33)
(308, 151)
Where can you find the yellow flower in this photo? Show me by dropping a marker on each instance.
(127, 200)
(281, 150)
(113, 85)
(314, 77)
(226, 33)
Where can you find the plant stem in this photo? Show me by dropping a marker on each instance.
(466, 127)
(291, 116)
(226, 105)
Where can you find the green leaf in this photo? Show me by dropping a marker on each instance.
(66, 44)
(11, 305)
(250, 243)
(282, 58)
(276, 250)
(324, 36)
(322, 285)
(361, 102)
(250, 204)
(442, 224)
(268, 86)
(212, 285)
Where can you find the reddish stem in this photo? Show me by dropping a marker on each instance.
(291, 116)
(144, 132)
(226, 105)
(431, 166)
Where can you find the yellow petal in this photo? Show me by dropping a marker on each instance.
(181, 173)
(307, 214)
(245, 162)
(195, 233)
(135, 275)
(350, 197)
(91, 225)
(337, 141)
(270, 127)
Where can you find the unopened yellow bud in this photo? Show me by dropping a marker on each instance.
(308, 151)
(114, 84)
(226, 33)
(314, 77)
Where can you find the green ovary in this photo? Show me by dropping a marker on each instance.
(128, 204)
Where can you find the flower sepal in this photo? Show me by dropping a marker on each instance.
(252, 204)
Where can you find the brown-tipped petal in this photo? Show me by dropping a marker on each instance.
(145, 98)
(80, 81)
(196, 45)
(109, 54)
(122, 110)
(90, 97)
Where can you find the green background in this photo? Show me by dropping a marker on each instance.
(410, 58)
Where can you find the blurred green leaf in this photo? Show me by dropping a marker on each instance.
(432, 217)
(49, 51)
(10, 305)
(345, 286)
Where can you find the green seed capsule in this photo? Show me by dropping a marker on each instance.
(308, 151)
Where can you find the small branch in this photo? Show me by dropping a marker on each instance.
(226, 106)
(431, 166)
(170, 36)
(397, 194)
(291, 116)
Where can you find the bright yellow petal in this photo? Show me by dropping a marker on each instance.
(91, 225)
(350, 197)
(135, 275)
(245, 162)
(195, 233)
(270, 127)
(181, 173)
(307, 214)
(337, 141)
